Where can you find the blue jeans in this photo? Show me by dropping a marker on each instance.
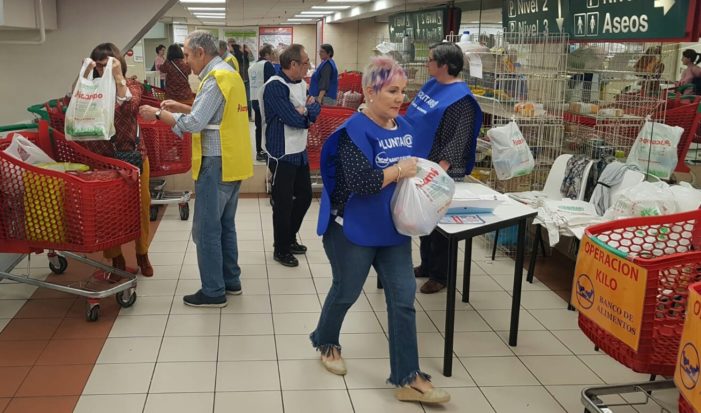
(214, 229)
(350, 264)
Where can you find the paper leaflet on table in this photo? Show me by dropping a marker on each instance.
(462, 219)
(468, 202)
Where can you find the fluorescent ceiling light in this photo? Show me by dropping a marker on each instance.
(317, 12)
(313, 16)
(203, 1)
(299, 20)
(210, 17)
(330, 7)
(210, 14)
(348, 1)
(195, 9)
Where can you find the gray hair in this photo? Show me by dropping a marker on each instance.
(223, 45)
(203, 39)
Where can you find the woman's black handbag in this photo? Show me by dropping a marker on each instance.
(131, 157)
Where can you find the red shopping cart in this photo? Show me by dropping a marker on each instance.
(663, 254)
(168, 154)
(330, 118)
(43, 209)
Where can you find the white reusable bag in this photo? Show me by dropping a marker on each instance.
(23, 149)
(418, 203)
(90, 114)
(510, 153)
(655, 149)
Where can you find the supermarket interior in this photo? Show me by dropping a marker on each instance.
(369, 206)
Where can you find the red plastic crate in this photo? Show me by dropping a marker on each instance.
(168, 154)
(668, 248)
(330, 118)
(43, 209)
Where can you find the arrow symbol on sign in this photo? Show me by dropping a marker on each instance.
(559, 19)
(665, 4)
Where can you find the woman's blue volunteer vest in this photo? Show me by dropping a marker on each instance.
(367, 219)
(332, 92)
(426, 112)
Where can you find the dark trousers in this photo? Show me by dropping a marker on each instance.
(434, 257)
(292, 195)
(259, 126)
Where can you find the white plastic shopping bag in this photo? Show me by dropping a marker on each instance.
(418, 203)
(642, 200)
(655, 149)
(23, 149)
(510, 153)
(90, 114)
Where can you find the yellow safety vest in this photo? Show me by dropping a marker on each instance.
(234, 135)
(233, 62)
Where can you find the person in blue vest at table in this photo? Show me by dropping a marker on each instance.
(361, 163)
(447, 120)
(324, 83)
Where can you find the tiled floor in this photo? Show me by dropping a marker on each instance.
(255, 355)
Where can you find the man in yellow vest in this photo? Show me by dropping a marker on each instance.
(226, 55)
(221, 159)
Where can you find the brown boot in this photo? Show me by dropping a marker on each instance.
(120, 263)
(432, 287)
(144, 264)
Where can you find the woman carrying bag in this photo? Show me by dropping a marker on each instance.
(125, 145)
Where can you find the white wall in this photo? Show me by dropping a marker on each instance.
(35, 74)
(353, 42)
(305, 34)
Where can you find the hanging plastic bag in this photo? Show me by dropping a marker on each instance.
(90, 114)
(655, 149)
(510, 153)
(418, 203)
(26, 151)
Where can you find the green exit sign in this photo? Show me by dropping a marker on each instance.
(630, 19)
(604, 20)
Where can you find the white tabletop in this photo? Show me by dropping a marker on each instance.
(506, 211)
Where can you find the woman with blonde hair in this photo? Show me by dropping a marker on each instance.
(361, 164)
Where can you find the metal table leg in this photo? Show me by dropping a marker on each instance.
(467, 271)
(534, 255)
(518, 279)
(450, 307)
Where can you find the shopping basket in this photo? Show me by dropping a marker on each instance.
(685, 112)
(42, 209)
(53, 111)
(168, 154)
(686, 376)
(630, 287)
(330, 118)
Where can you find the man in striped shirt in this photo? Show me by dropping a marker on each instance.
(287, 114)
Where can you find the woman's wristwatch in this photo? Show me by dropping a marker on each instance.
(158, 114)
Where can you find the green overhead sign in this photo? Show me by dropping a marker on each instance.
(601, 20)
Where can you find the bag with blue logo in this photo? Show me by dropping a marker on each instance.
(418, 203)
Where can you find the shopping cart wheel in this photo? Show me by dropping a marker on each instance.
(92, 312)
(153, 213)
(127, 298)
(184, 211)
(62, 264)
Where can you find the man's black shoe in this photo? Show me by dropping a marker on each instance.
(297, 248)
(288, 260)
(198, 299)
(261, 157)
